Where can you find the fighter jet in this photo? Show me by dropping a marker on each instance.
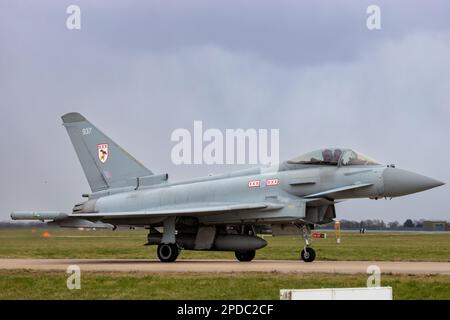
(221, 212)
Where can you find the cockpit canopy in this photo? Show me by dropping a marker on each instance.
(334, 156)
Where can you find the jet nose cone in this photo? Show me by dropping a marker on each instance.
(398, 182)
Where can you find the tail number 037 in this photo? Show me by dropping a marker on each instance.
(86, 131)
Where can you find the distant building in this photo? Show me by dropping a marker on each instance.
(436, 226)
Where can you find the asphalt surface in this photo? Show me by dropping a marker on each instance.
(224, 266)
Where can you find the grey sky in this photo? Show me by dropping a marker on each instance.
(139, 71)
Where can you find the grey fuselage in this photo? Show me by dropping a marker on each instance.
(294, 183)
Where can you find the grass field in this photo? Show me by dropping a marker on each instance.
(52, 285)
(128, 244)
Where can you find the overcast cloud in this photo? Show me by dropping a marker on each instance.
(140, 71)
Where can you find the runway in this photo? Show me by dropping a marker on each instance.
(228, 266)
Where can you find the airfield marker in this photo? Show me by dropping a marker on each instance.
(337, 229)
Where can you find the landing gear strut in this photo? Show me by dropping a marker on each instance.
(168, 252)
(308, 254)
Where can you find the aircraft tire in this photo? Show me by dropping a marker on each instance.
(168, 252)
(245, 256)
(308, 254)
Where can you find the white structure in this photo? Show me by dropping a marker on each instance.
(372, 293)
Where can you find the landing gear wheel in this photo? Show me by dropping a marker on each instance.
(168, 252)
(308, 254)
(245, 256)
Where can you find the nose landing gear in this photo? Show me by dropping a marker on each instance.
(308, 254)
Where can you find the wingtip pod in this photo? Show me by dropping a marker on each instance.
(72, 117)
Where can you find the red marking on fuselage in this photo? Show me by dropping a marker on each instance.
(254, 183)
(272, 182)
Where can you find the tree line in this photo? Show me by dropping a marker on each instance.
(377, 224)
(369, 224)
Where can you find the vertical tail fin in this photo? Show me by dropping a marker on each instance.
(105, 163)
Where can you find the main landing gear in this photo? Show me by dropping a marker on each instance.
(168, 249)
(249, 255)
(245, 256)
(168, 252)
(308, 254)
